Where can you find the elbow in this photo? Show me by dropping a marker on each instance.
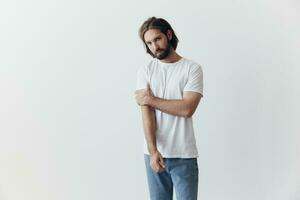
(189, 113)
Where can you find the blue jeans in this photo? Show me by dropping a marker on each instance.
(182, 173)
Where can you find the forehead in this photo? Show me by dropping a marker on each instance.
(151, 34)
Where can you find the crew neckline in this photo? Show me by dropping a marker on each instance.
(170, 64)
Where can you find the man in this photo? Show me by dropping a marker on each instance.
(169, 90)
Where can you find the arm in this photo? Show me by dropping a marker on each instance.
(149, 124)
(184, 108)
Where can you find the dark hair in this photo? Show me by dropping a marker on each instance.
(162, 25)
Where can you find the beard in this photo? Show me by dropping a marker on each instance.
(163, 53)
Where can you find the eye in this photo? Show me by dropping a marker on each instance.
(156, 39)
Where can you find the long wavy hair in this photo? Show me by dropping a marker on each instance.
(162, 25)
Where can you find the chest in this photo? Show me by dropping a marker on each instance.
(168, 82)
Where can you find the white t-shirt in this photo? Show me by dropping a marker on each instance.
(174, 135)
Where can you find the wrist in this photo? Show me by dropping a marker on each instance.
(152, 151)
(150, 100)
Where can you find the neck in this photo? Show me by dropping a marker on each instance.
(172, 57)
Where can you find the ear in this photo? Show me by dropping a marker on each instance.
(169, 34)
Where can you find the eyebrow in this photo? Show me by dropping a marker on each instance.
(147, 42)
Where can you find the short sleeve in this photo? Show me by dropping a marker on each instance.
(142, 78)
(195, 80)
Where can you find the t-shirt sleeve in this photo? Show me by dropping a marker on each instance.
(195, 80)
(142, 78)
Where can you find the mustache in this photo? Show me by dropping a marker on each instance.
(159, 50)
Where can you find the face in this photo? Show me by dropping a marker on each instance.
(158, 43)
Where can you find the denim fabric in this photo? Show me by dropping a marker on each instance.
(180, 173)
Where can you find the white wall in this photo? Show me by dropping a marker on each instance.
(69, 125)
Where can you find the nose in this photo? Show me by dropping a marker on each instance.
(155, 46)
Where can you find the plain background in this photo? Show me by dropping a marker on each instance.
(71, 130)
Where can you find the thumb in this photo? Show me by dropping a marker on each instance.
(161, 162)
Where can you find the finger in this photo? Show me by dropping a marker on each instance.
(161, 169)
(161, 162)
(162, 165)
(139, 91)
(155, 168)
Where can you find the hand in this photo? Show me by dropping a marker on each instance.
(157, 162)
(143, 96)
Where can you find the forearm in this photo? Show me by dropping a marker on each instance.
(149, 124)
(180, 108)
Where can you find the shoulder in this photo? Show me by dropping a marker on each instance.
(192, 65)
(148, 67)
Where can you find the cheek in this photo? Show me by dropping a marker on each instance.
(163, 45)
(150, 48)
